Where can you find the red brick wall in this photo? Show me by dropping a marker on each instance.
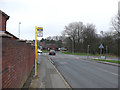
(4, 23)
(0, 22)
(17, 62)
(0, 62)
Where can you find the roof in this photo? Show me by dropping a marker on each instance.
(6, 16)
(6, 33)
(2, 33)
(11, 34)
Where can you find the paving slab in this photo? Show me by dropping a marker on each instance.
(48, 76)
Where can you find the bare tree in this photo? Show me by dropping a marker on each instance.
(116, 23)
(73, 33)
(82, 35)
(90, 38)
(116, 26)
(79, 36)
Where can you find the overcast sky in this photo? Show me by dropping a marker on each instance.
(53, 15)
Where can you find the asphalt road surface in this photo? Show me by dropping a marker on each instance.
(83, 73)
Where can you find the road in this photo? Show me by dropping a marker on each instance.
(82, 73)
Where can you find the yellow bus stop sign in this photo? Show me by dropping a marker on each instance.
(40, 32)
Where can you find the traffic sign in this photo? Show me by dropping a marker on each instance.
(40, 32)
(101, 46)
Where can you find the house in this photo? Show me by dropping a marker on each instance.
(3, 19)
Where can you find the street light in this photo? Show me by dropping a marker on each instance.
(19, 30)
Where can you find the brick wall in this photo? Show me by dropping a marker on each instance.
(17, 62)
(3, 19)
(0, 22)
(0, 63)
(3, 23)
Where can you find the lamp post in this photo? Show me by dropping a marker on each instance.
(19, 30)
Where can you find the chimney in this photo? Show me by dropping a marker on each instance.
(3, 19)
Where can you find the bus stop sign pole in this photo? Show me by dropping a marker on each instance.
(35, 51)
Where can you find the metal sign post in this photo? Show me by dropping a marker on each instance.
(35, 50)
(38, 33)
(100, 51)
(101, 47)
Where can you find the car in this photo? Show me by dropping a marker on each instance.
(39, 51)
(52, 52)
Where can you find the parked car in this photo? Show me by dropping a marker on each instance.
(39, 51)
(52, 52)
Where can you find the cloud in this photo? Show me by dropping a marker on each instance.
(53, 15)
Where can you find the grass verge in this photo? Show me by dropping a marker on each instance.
(112, 61)
(45, 51)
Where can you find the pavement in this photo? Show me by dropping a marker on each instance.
(48, 76)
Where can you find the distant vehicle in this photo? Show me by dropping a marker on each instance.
(63, 49)
(52, 52)
(39, 51)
